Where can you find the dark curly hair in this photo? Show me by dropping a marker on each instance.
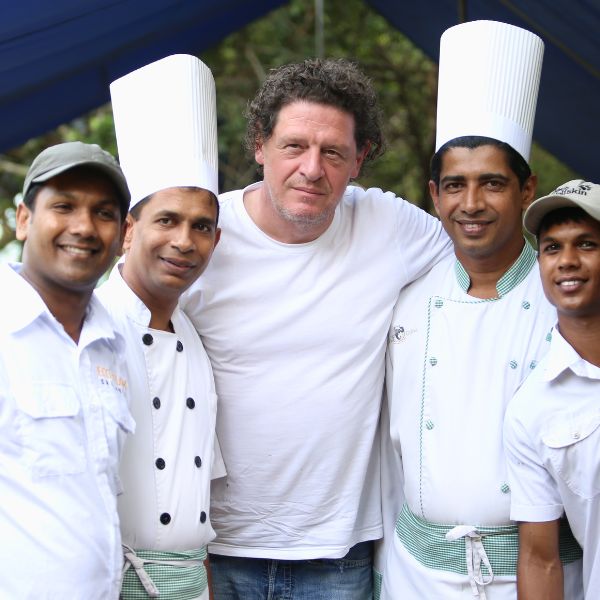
(334, 82)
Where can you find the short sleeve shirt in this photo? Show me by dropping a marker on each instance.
(63, 418)
(552, 440)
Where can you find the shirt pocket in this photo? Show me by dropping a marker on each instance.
(51, 429)
(573, 445)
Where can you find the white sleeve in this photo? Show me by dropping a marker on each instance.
(422, 240)
(534, 493)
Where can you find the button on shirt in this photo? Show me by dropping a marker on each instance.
(167, 465)
(63, 417)
(552, 439)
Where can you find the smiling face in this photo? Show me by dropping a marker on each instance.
(170, 244)
(569, 259)
(71, 233)
(480, 203)
(308, 161)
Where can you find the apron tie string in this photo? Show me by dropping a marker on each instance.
(475, 555)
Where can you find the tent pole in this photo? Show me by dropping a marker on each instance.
(319, 29)
(462, 11)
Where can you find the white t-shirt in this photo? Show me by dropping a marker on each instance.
(552, 439)
(166, 466)
(63, 417)
(454, 362)
(296, 336)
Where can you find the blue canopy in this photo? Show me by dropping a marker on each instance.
(57, 58)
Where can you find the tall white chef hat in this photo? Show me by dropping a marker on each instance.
(489, 75)
(166, 125)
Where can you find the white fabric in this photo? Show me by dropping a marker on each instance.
(296, 335)
(503, 65)
(454, 362)
(173, 432)
(165, 117)
(552, 438)
(63, 416)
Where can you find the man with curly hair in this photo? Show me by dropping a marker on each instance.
(293, 312)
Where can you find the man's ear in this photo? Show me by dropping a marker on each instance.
(434, 192)
(24, 216)
(259, 156)
(528, 191)
(128, 228)
(360, 158)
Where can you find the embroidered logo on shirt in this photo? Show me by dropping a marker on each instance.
(108, 377)
(400, 334)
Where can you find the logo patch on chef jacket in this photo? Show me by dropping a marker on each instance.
(108, 377)
(400, 333)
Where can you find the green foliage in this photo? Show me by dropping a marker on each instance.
(404, 77)
(549, 170)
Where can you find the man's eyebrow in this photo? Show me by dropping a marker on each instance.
(109, 200)
(452, 178)
(167, 213)
(204, 221)
(170, 214)
(546, 238)
(488, 176)
(290, 138)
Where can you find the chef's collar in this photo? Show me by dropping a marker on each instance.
(510, 280)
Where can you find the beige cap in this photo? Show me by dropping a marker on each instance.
(166, 125)
(578, 193)
(489, 76)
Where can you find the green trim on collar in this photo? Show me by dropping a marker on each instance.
(511, 279)
(464, 281)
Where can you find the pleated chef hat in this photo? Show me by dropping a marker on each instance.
(489, 75)
(166, 125)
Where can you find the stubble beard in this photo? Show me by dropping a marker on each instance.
(303, 221)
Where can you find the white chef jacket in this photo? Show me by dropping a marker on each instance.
(167, 465)
(454, 361)
(63, 416)
(552, 438)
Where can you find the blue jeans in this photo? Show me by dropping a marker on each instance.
(347, 578)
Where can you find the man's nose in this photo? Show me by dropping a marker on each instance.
(472, 199)
(312, 166)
